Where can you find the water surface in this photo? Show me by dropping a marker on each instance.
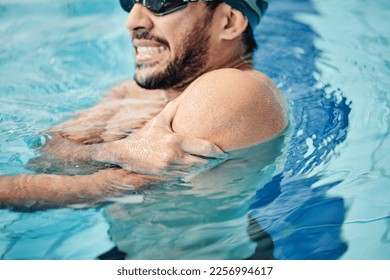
(327, 199)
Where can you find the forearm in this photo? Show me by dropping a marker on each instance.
(69, 150)
(44, 191)
(74, 142)
(63, 156)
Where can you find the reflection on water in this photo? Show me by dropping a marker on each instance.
(304, 223)
(294, 202)
(203, 218)
(302, 220)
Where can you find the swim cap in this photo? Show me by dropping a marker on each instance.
(252, 9)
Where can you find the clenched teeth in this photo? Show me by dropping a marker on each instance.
(150, 50)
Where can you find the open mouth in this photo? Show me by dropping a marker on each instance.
(148, 52)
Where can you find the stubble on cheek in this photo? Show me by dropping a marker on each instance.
(187, 64)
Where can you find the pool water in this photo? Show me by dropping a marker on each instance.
(329, 198)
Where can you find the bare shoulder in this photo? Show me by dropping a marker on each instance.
(234, 86)
(231, 108)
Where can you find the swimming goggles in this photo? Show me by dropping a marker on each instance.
(159, 7)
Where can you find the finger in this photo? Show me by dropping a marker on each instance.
(199, 147)
(176, 173)
(194, 161)
(201, 164)
(184, 161)
(170, 156)
(194, 165)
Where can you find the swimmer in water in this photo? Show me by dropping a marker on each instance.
(195, 96)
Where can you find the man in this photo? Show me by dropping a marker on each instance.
(196, 54)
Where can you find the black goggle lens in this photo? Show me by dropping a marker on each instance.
(158, 7)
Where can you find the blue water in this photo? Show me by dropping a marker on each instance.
(329, 200)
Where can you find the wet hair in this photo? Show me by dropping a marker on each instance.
(248, 36)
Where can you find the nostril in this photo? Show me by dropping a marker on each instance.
(138, 18)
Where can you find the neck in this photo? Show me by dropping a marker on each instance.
(243, 63)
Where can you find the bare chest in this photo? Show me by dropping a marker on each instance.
(129, 115)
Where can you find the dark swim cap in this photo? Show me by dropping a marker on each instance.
(252, 9)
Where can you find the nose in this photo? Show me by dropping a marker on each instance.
(139, 18)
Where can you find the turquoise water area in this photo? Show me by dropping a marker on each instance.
(328, 199)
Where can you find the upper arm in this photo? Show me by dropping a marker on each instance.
(231, 109)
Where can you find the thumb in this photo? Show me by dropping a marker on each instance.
(165, 117)
(200, 147)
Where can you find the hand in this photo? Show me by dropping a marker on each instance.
(157, 150)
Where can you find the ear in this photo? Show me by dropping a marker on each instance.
(234, 23)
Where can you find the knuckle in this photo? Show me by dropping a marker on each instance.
(168, 157)
(172, 156)
(165, 158)
(161, 162)
(155, 170)
(159, 167)
(170, 138)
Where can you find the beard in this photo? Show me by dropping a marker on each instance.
(186, 66)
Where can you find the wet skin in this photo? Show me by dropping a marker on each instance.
(133, 139)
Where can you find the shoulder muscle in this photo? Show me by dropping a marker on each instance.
(231, 108)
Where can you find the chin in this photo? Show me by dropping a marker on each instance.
(153, 79)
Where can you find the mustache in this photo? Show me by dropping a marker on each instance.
(144, 34)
